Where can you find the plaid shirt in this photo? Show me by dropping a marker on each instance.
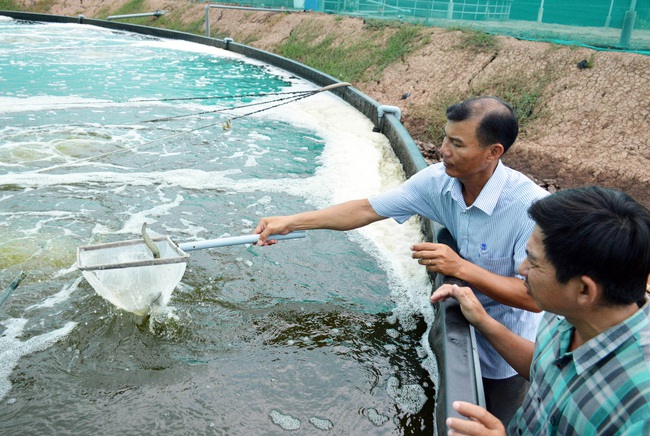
(601, 388)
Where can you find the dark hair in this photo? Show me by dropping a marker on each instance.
(598, 232)
(498, 121)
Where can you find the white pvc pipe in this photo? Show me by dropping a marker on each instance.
(235, 240)
(145, 14)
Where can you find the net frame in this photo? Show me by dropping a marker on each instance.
(127, 275)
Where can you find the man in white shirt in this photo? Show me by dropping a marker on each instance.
(484, 205)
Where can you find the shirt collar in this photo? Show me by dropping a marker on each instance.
(489, 196)
(606, 343)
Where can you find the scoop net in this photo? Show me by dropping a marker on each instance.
(127, 275)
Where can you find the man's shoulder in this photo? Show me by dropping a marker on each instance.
(434, 173)
(521, 188)
(434, 170)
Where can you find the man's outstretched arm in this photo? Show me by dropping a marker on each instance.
(345, 216)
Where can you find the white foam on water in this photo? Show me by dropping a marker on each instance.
(185, 178)
(357, 163)
(409, 398)
(321, 423)
(192, 47)
(9, 105)
(287, 422)
(134, 222)
(58, 298)
(12, 348)
(64, 272)
(191, 229)
(375, 417)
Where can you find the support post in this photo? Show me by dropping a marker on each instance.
(207, 20)
(628, 25)
(609, 14)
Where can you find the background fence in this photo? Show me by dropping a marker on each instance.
(604, 24)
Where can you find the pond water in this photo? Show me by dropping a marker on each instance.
(101, 131)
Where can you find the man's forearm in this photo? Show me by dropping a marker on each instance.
(517, 351)
(510, 291)
(345, 216)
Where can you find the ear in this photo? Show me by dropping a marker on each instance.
(495, 151)
(589, 291)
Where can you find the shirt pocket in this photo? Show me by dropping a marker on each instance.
(502, 266)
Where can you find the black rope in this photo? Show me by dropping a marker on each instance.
(290, 99)
(225, 125)
(213, 97)
(274, 106)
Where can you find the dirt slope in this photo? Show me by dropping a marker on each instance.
(593, 126)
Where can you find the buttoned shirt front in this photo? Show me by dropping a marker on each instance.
(491, 233)
(601, 388)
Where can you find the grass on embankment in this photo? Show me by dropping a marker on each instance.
(356, 62)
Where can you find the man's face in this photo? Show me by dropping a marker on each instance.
(462, 155)
(548, 293)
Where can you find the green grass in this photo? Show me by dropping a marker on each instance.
(42, 6)
(168, 22)
(525, 94)
(9, 5)
(132, 7)
(351, 62)
(476, 41)
(377, 24)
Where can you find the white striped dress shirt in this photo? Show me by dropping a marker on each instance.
(491, 233)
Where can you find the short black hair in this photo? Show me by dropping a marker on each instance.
(598, 232)
(498, 121)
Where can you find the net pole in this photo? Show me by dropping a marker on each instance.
(628, 25)
(609, 14)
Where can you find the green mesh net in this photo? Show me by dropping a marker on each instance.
(605, 24)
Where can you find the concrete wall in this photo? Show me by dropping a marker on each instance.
(451, 338)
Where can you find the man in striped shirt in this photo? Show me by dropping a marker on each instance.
(587, 265)
(483, 203)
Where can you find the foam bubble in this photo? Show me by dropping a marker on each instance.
(321, 424)
(409, 398)
(375, 417)
(13, 348)
(59, 297)
(287, 422)
(392, 333)
(391, 348)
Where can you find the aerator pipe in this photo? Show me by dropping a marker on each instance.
(145, 14)
(383, 109)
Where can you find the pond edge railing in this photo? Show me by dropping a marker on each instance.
(451, 338)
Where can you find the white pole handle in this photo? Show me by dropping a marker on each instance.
(235, 240)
